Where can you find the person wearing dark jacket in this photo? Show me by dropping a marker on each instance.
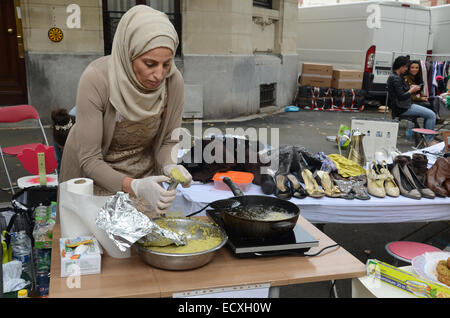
(400, 96)
(414, 77)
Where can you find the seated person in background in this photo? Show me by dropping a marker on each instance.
(62, 123)
(414, 77)
(400, 97)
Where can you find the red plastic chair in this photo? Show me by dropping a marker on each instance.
(16, 114)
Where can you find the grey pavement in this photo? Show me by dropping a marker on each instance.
(308, 128)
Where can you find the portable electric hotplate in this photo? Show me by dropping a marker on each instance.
(295, 242)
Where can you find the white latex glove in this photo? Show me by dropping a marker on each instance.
(151, 190)
(182, 169)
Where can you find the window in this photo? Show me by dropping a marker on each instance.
(113, 11)
(263, 3)
(267, 94)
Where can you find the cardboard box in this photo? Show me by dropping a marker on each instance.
(73, 264)
(409, 283)
(380, 135)
(319, 75)
(347, 79)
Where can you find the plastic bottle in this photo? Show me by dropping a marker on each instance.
(23, 293)
(22, 251)
(409, 127)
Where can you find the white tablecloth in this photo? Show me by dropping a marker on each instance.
(333, 210)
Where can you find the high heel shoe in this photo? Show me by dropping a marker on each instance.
(424, 191)
(283, 189)
(297, 189)
(375, 182)
(311, 186)
(330, 189)
(390, 186)
(406, 188)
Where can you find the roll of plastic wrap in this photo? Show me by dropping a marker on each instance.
(81, 186)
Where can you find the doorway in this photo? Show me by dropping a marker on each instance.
(13, 87)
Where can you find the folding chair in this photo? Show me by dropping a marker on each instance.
(16, 114)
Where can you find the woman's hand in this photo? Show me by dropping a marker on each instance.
(151, 190)
(414, 88)
(167, 169)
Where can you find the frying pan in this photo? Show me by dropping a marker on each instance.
(247, 227)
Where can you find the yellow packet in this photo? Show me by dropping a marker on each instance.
(410, 283)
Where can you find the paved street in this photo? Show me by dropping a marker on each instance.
(310, 129)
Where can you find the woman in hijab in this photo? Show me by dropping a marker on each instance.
(128, 105)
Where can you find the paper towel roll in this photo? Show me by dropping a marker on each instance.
(78, 212)
(81, 186)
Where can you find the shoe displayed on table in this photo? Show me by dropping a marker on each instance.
(297, 189)
(283, 188)
(345, 186)
(360, 190)
(447, 186)
(424, 191)
(419, 165)
(311, 186)
(285, 156)
(375, 182)
(390, 186)
(406, 188)
(302, 160)
(268, 185)
(437, 175)
(330, 189)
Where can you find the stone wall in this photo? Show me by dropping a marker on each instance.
(53, 69)
(231, 47)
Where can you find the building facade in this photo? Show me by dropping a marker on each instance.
(236, 56)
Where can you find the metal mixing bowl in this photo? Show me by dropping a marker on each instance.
(184, 261)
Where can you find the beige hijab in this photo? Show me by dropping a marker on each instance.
(140, 30)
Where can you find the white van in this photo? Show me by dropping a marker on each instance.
(440, 30)
(363, 36)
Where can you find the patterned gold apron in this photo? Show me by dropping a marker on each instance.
(131, 153)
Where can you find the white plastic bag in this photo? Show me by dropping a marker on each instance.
(11, 277)
(77, 217)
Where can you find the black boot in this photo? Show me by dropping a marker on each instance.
(283, 186)
(268, 185)
(302, 160)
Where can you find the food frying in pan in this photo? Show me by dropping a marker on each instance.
(260, 213)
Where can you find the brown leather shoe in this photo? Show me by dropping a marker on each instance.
(447, 186)
(437, 175)
(443, 170)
